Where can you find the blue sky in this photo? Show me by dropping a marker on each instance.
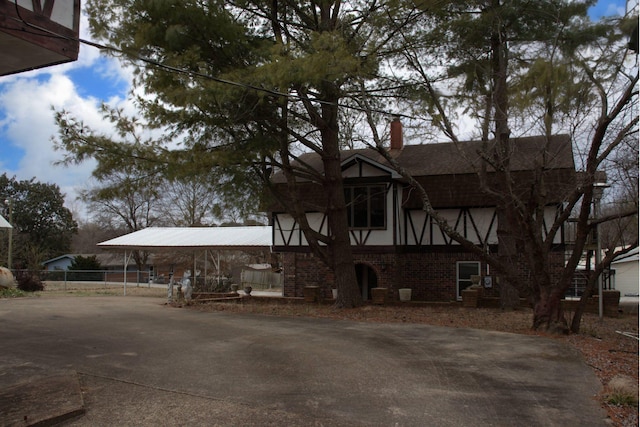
(26, 118)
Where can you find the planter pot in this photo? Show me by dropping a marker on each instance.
(610, 303)
(334, 293)
(404, 294)
(247, 290)
(379, 295)
(311, 294)
(470, 297)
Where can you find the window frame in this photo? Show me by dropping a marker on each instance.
(459, 280)
(351, 203)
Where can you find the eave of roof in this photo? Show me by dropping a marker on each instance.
(167, 238)
(4, 223)
(631, 256)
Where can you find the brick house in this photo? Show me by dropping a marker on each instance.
(395, 243)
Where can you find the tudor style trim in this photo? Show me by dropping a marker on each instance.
(411, 250)
(36, 34)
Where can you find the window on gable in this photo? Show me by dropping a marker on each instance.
(366, 206)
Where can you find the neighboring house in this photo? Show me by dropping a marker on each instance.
(63, 262)
(626, 273)
(395, 244)
(111, 263)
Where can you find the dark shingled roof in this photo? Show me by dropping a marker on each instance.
(448, 170)
(462, 158)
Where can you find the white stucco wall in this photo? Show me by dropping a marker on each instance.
(627, 280)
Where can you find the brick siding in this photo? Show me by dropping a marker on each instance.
(430, 275)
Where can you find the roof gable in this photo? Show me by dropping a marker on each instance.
(58, 258)
(358, 166)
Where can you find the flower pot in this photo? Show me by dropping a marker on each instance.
(404, 294)
(470, 297)
(311, 294)
(379, 295)
(247, 290)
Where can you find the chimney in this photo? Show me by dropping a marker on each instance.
(396, 133)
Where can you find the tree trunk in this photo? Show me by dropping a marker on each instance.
(509, 296)
(340, 246)
(580, 309)
(548, 314)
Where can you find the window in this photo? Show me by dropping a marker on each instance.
(366, 206)
(466, 269)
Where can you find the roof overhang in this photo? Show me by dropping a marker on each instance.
(4, 223)
(193, 238)
(34, 36)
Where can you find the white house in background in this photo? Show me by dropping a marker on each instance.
(627, 279)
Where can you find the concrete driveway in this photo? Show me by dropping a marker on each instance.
(140, 362)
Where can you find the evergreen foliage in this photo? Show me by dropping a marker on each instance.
(85, 269)
(245, 86)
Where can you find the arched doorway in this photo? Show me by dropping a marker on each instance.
(367, 280)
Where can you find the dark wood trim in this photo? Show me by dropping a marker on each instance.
(40, 30)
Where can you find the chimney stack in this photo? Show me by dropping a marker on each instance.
(396, 133)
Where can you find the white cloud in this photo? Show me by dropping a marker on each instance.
(612, 8)
(29, 125)
(27, 118)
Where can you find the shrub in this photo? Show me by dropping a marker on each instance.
(84, 269)
(29, 281)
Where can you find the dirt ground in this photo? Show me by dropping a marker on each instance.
(609, 347)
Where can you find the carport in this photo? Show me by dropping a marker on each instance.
(208, 241)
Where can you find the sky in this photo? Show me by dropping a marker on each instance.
(27, 101)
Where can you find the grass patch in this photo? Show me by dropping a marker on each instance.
(622, 391)
(12, 293)
(622, 399)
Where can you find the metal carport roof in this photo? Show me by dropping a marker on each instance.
(159, 238)
(196, 239)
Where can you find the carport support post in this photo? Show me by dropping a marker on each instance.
(125, 273)
(216, 264)
(126, 267)
(205, 268)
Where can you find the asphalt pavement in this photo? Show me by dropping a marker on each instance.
(105, 361)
